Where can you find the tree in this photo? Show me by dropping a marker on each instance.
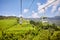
(56, 35)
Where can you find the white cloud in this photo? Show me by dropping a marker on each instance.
(35, 15)
(39, 8)
(20, 16)
(13, 14)
(58, 12)
(41, 11)
(9, 15)
(54, 6)
(53, 9)
(29, 17)
(59, 9)
(38, 4)
(25, 10)
(44, 5)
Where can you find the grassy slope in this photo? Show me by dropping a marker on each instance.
(12, 27)
(8, 25)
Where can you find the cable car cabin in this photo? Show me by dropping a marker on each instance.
(23, 21)
(44, 20)
(20, 20)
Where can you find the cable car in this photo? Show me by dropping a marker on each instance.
(20, 21)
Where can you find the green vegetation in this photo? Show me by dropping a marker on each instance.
(10, 29)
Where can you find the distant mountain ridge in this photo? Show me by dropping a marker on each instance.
(55, 19)
(51, 18)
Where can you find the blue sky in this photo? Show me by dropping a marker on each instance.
(29, 9)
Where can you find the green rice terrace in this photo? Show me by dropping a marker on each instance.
(10, 29)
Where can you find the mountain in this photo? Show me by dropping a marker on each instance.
(7, 17)
(55, 19)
